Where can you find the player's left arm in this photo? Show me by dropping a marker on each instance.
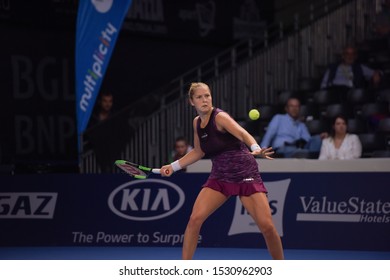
(225, 123)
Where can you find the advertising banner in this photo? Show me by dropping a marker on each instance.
(38, 124)
(98, 26)
(333, 211)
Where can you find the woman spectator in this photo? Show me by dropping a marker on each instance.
(340, 144)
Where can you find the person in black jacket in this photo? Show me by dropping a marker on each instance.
(348, 74)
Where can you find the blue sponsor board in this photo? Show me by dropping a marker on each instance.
(339, 211)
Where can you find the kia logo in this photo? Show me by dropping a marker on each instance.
(146, 200)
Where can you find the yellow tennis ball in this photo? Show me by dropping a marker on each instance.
(254, 114)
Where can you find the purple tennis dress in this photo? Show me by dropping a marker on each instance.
(234, 170)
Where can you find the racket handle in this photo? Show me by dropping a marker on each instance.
(156, 170)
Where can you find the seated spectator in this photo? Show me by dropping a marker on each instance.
(347, 74)
(340, 144)
(289, 136)
(181, 148)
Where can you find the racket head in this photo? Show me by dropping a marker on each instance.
(133, 169)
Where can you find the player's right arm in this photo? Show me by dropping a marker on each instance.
(194, 155)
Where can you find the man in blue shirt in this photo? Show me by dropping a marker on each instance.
(289, 136)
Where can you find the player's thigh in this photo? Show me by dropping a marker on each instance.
(258, 207)
(207, 202)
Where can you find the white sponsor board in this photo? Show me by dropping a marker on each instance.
(242, 222)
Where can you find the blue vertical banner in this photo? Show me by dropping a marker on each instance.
(98, 26)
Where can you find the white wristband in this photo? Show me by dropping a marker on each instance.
(255, 147)
(176, 166)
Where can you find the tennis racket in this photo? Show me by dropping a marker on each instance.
(135, 170)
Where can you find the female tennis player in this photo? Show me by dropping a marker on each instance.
(234, 171)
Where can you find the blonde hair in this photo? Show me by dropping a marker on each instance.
(194, 86)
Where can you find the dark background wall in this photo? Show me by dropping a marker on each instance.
(159, 41)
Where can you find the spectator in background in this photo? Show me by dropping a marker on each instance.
(103, 137)
(289, 136)
(180, 149)
(340, 144)
(348, 74)
(103, 109)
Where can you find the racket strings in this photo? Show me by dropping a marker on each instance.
(132, 170)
